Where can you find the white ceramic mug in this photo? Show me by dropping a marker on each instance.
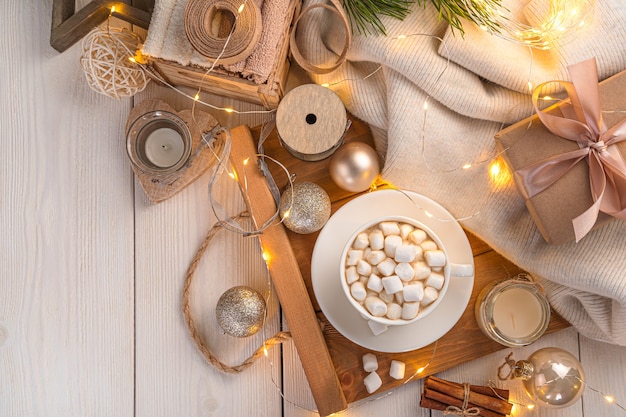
(379, 324)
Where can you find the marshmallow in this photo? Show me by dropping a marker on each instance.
(391, 244)
(396, 369)
(387, 267)
(363, 267)
(370, 363)
(375, 306)
(374, 283)
(351, 275)
(430, 295)
(388, 298)
(428, 245)
(405, 253)
(399, 297)
(435, 258)
(392, 284)
(435, 280)
(376, 256)
(394, 311)
(372, 382)
(353, 256)
(417, 236)
(421, 270)
(404, 271)
(362, 241)
(377, 239)
(410, 310)
(413, 292)
(389, 228)
(358, 291)
(405, 230)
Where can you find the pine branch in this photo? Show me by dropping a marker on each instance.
(365, 14)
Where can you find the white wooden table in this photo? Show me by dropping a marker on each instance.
(91, 273)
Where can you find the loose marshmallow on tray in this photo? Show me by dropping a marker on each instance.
(370, 363)
(396, 369)
(398, 269)
(372, 382)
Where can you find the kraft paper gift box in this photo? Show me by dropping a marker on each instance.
(529, 141)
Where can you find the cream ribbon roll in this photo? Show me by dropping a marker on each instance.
(208, 25)
(311, 121)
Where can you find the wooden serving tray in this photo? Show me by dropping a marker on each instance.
(464, 342)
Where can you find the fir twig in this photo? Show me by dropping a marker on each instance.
(364, 14)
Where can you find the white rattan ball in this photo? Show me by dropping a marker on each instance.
(106, 62)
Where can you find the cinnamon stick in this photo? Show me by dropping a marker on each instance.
(432, 404)
(447, 400)
(481, 400)
(481, 389)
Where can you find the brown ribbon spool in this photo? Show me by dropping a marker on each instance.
(301, 60)
(209, 23)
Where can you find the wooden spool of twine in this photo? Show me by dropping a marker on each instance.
(278, 338)
(311, 121)
(217, 29)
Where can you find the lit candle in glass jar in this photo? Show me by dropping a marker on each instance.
(513, 312)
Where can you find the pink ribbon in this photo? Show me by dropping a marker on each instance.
(582, 123)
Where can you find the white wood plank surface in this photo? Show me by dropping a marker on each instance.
(91, 273)
(66, 283)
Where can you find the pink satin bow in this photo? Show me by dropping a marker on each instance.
(582, 123)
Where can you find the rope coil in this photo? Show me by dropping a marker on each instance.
(221, 31)
(277, 339)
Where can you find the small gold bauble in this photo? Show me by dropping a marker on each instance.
(354, 166)
(240, 311)
(308, 210)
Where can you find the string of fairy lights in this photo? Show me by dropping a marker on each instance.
(563, 16)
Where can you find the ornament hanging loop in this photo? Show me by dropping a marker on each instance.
(510, 362)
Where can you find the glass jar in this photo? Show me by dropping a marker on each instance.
(159, 143)
(513, 312)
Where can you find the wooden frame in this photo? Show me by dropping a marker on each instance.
(69, 25)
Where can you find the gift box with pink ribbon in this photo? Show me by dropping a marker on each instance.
(568, 161)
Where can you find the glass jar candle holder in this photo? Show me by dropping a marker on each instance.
(513, 312)
(159, 143)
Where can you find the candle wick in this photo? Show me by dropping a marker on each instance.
(513, 320)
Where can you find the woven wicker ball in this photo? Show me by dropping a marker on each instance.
(106, 62)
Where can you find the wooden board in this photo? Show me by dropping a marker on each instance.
(285, 272)
(462, 343)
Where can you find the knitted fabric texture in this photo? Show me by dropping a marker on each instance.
(474, 85)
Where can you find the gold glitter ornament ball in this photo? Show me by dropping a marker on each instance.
(240, 311)
(306, 209)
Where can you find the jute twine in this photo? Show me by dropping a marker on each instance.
(293, 44)
(278, 338)
(217, 30)
(106, 64)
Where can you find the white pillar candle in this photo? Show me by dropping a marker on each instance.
(517, 313)
(164, 147)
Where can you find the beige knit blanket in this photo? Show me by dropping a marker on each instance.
(474, 86)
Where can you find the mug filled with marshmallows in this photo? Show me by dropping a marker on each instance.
(394, 271)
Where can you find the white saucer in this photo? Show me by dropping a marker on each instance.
(325, 270)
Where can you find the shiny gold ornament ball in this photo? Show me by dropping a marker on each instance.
(306, 208)
(354, 166)
(240, 311)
